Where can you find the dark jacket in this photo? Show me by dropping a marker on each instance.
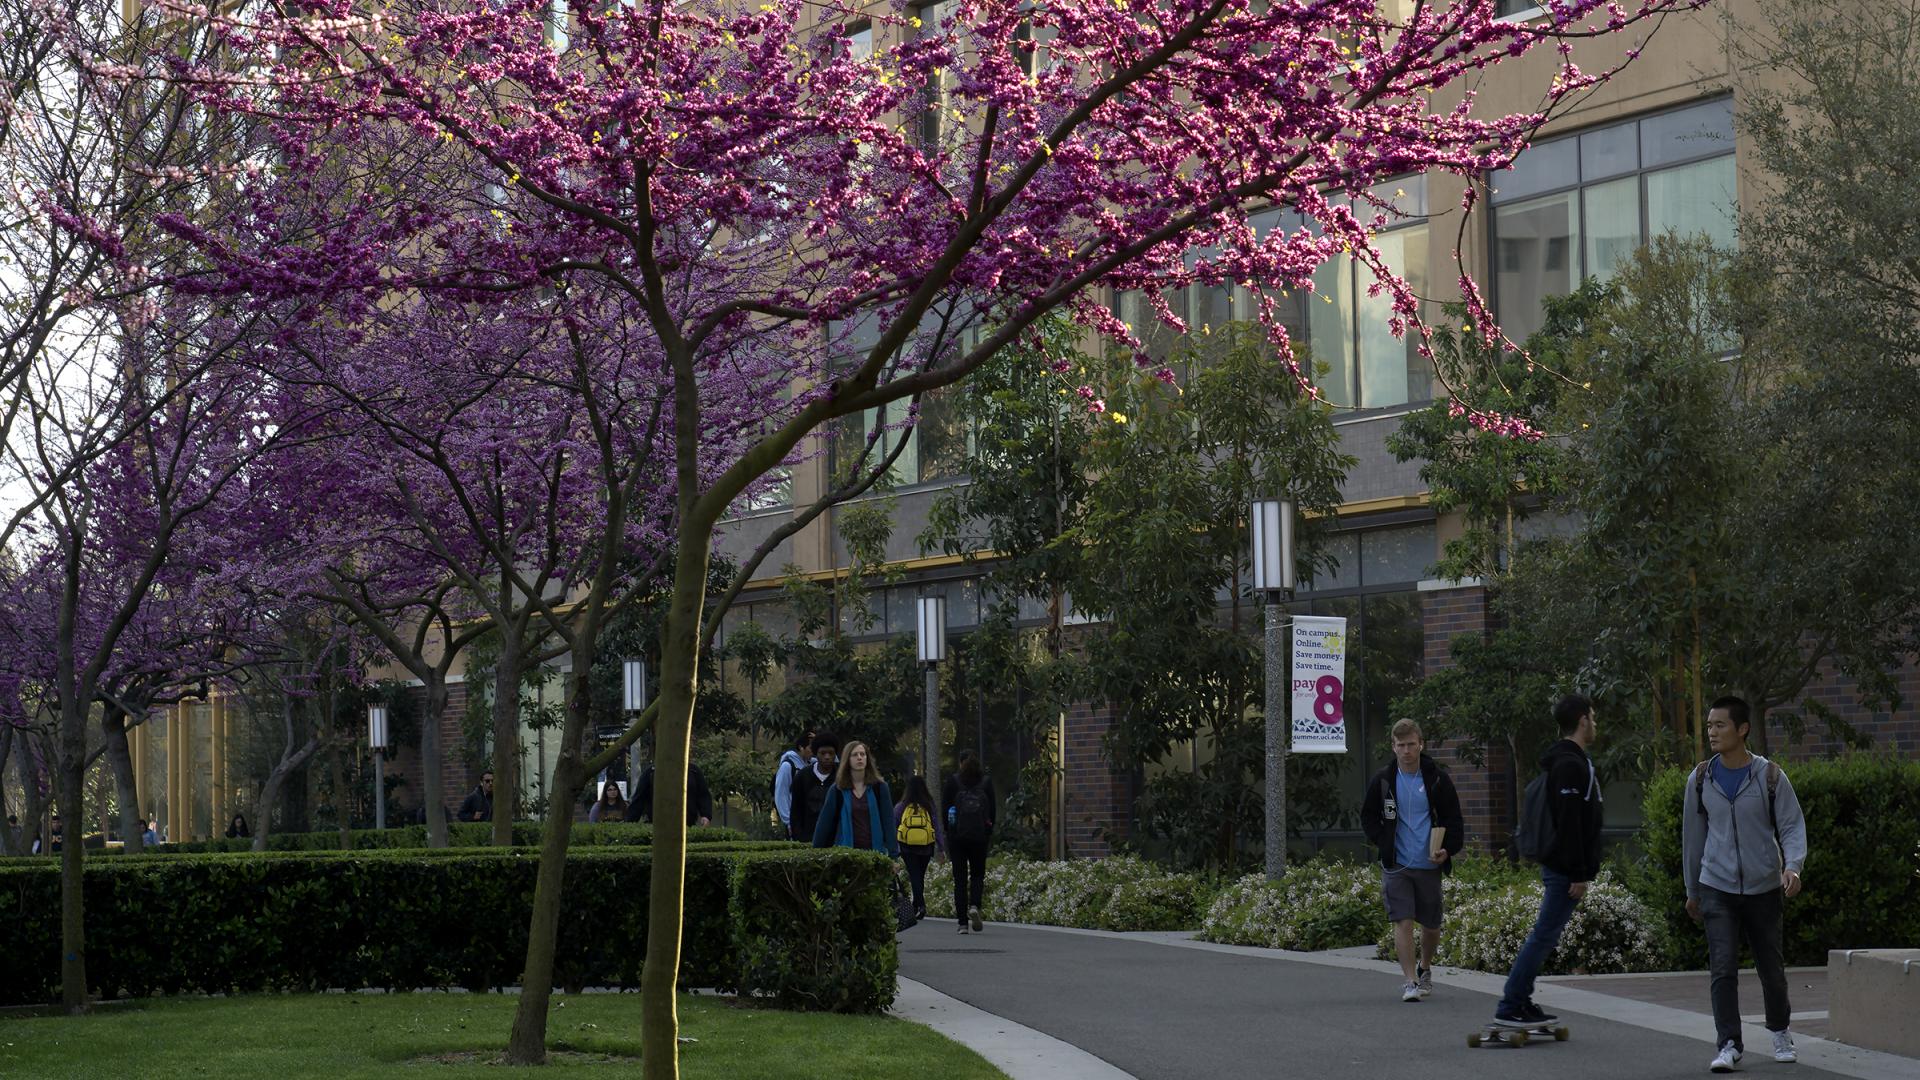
(1443, 803)
(477, 806)
(950, 791)
(1577, 809)
(699, 797)
(835, 827)
(809, 796)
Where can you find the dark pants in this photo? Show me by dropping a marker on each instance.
(917, 856)
(1729, 917)
(1556, 907)
(969, 874)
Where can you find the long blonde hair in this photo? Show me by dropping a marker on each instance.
(844, 778)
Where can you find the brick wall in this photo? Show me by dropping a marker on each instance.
(457, 775)
(1446, 614)
(1099, 800)
(1897, 730)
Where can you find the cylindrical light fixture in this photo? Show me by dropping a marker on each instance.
(377, 727)
(636, 685)
(1272, 521)
(933, 629)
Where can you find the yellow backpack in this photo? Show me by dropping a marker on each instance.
(916, 826)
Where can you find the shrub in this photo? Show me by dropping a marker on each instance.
(1319, 904)
(1858, 891)
(816, 935)
(1488, 919)
(1119, 893)
(462, 834)
(397, 919)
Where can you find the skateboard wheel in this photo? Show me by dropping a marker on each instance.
(1560, 1034)
(1473, 1040)
(1519, 1038)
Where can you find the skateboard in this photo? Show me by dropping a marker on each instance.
(1501, 1034)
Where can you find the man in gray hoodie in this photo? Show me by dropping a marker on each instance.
(1745, 842)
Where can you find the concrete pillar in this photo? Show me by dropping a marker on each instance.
(137, 751)
(217, 766)
(188, 826)
(173, 773)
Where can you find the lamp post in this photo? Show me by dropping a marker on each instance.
(636, 703)
(377, 743)
(1272, 522)
(932, 629)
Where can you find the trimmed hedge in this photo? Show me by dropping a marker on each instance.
(459, 835)
(1122, 892)
(816, 938)
(410, 920)
(1860, 887)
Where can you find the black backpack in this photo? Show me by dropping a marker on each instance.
(1535, 835)
(970, 812)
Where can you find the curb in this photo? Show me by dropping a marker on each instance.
(1015, 1049)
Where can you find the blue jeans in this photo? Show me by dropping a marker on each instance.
(1556, 907)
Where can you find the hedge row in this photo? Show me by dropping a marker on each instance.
(459, 834)
(1860, 886)
(412, 920)
(1118, 893)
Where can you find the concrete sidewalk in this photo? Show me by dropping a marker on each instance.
(1159, 1006)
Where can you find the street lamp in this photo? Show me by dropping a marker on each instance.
(1272, 522)
(932, 627)
(635, 702)
(377, 743)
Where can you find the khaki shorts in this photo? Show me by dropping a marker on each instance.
(1412, 894)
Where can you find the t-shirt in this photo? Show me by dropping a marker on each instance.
(862, 819)
(1730, 779)
(1410, 834)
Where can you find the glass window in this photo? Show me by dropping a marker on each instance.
(860, 42)
(1392, 371)
(1535, 254)
(1345, 549)
(1330, 333)
(1396, 556)
(1626, 183)
(903, 609)
(943, 436)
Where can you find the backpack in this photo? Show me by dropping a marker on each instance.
(916, 826)
(969, 812)
(1536, 836)
(1705, 768)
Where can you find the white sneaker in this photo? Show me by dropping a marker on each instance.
(1727, 1058)
(1410, 992)
(1424, 980)
(1783, 1047)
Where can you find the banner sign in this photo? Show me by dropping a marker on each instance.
(1319, 685)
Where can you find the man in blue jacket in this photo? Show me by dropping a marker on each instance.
(1407, 803)
(1744, 842)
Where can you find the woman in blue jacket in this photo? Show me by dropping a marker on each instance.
(859, 808)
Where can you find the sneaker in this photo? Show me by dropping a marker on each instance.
(1727, 1058)
(1423, 978)
(1410, 992)
(973, 920)
(1537, 1015)
(1783, 1051)
(963, 928)
(1513, 1018)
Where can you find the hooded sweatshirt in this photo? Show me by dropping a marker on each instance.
(1733, 847)
(1577, 809)
(791, 763)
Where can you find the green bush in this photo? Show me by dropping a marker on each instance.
(1489, 916)
(1318, 904)
(1119, 893)
(397, 919)
(1859, 891)
(816, 936)
(459, 835)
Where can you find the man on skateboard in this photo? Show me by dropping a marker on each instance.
(1412, 814)
(1744, 841)
(1573, 800)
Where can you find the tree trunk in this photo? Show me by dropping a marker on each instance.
(341, 814)
(33, 804)
(506, 735)
(120, 758)
(290, 762)
(527, 1044)
(9, 835)
(70, 782)
(431, 790)
(673, 742)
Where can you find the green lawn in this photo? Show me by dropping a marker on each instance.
(338, 1036)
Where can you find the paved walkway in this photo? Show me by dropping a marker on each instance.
(1165, 1007)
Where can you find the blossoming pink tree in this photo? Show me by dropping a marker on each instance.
(864, 203)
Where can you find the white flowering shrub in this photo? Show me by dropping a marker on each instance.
(1119, 893)
(1487, 921)
(1320, 904)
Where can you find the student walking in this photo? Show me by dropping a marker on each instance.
(853, 814)
(920, 832)
(967, 802)
(1411, 812)
(609, 807)
(1574, 806)
(796, 760)
(810, 786)
(1744, 842)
